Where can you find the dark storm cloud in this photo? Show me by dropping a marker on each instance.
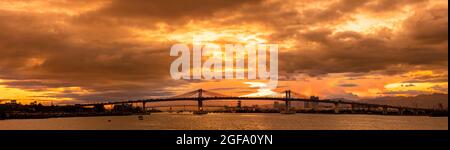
(429, 26)
(288, 19)
(422, 43)
(170, 9)
(380, 6)
(340, 52)
(38, 55)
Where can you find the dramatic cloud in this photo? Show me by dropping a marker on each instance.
(348, 85)
(108, 50)
(171, 9)
(412, 45)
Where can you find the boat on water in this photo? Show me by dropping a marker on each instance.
(200, 112)
(288, 112)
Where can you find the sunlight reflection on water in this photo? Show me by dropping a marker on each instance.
(166, 121)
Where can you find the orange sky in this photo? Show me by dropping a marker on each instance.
(88, 50)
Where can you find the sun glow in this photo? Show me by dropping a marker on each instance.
(262, 91)
(370, 24)
(44, 95)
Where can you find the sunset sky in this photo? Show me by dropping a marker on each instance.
(75, 51)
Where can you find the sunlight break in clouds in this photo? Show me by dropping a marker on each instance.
(114, 50)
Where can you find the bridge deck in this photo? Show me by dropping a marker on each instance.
(329, 101)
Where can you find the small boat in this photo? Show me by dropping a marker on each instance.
(141, 117)
(200, 112)
(288, 112)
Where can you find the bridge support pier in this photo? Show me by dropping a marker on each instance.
(200, 110)
(287, 106)
(200, 105)
(144, 109)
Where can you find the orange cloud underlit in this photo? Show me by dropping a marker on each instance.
(81, 51)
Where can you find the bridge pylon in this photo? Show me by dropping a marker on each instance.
(144, 108)
(200, 99)
(287, 106)
(200, 110)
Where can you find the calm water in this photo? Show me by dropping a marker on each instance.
(166, 121)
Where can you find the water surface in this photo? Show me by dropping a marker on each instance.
(167, 121)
